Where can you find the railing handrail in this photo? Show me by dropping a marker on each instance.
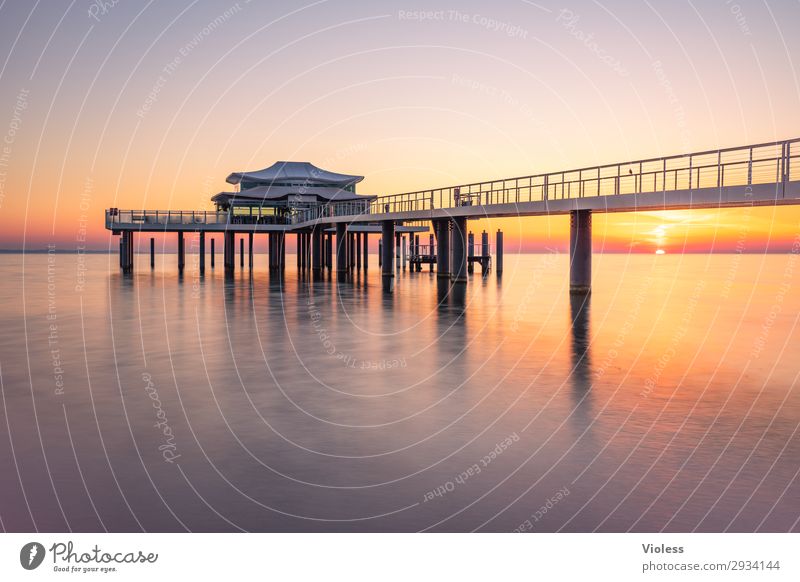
(603, 166)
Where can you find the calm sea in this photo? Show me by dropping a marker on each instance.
(667, 401)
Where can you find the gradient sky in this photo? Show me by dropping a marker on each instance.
(152, 104)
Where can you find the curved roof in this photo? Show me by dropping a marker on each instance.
(263, 193)
(294, 172)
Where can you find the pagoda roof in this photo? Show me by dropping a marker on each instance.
(302, 172)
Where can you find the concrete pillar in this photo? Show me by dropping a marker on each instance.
(181, 251)
(130, 251)
(459, 249)
(580, 252)
(498, 252)
(250, 250)
(152, 253)
(366, 251)
(316, 250)
(358, 251)
(299, 238)
(303, 250)
(443, 248)
(484, 253)
(271, 251)
(403, 250)
(227, 251)
(398, 242)
(341, 248)
(202, 257)
(124, 253)
(388, 248)
(380, 252)
(241, 253)
(280, 239)
(430, 250)
(329, 251)
(470, 252)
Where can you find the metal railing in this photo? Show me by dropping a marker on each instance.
(115, 216)
(763, 163)
(166, 218)
(330, 210)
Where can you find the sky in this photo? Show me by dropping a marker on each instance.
(129, 104)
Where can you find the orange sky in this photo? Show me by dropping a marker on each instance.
(153, 108)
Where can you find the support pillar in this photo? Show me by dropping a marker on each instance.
(181, 251)
(329, 251)
(227, 252)
(380, 252)
(388, 249)
(398, 241)
(212, 253)
(351, 250)
(299, 248)
(358, 251)
(202, 262)
(130, 251)
(250, 250)
(152, 253)
(498, 253)
(470, 252)
(366, 251)
(241, 253)
(580, 252)
(485, 259)
(443, 249)
(126, 251)
(271, 250)
(316, 251)
(459, 249)
(280, 239)
(303, 251)
(341, 248)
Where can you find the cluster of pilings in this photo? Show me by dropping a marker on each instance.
(454, 253)
(316, 246)
(275, 242)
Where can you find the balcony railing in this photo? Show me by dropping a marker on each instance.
(167, 218)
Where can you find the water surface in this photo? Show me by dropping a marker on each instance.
(155, 402)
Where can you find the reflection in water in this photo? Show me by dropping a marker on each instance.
(581, 355)
(302, 405)
(581, 372)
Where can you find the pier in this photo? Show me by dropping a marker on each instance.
(327, 218)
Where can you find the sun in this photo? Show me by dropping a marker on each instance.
(660, 251)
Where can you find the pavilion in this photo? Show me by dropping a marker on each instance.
(274, 194)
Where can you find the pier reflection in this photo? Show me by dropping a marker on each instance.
(581, 358)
